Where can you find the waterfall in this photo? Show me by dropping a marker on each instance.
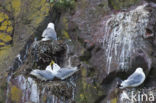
(119, 38)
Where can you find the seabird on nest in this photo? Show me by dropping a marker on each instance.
(54, 70)
(134, 80)
(49, 33)
(62, 73)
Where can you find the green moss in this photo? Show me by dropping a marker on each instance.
(119, 4)
(65, 22)
(64, 4)
(37, 12)
(82, 97)
(64, 32)
(86, 56)
(87, 93)
(66, 35)
(84, 75)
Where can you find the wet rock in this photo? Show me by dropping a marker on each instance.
(131, 47)
(122, 42)
(25, 89)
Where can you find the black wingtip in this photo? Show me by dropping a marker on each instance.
(119, 81)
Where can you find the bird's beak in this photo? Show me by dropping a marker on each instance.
(51, 63)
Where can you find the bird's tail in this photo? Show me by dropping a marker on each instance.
(119, 84)
(121, 87)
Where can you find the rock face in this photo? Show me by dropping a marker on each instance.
(28, 89)
(23, 90)
(19, 20)
(125, 38)
(116, 45)
(109, 38)
(44, 52)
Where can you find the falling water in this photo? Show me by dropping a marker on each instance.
(120, 33)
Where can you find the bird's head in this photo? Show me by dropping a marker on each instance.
(51, 25)
(139, 69)
(52, 63)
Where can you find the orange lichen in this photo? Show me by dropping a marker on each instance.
(4, 37)
(2, 44)
(10, 28)
(5, 23)
(5, 28)
(16, 94)
(114, 100)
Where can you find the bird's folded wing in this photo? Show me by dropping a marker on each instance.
(134, 79)
(134, 76)
(47, 74)
(50, 33)
(44, 33)
(65, 73)
(43, 74)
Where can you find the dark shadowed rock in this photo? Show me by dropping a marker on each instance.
(43, 52)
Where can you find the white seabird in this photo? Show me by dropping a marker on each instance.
(54, 70)
(49, 33)
(134, 80)
(62, 73)
(43, 74)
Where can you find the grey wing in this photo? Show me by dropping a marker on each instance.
(134, 79)
(65, 73)
(44, 33)
(46, 74)
(134, 76)
(50, 33)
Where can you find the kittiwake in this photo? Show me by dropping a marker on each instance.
(62, 73)
(49, 33)
(134, 80)
(54, 70)
(42, 74)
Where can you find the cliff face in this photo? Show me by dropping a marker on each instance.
(19, 19)
(109, 38)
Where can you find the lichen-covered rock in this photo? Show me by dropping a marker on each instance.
(124, 39)
(3, 89)
(19, 20)
(109, 44)
(23, 89)
(121, 4)
(28, 89)
(6, 28)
